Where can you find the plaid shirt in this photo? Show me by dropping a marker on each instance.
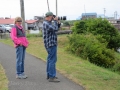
(49, 33)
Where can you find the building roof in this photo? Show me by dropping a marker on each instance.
(89, 14)
(31, 21)
(6, 21)
(11, 21)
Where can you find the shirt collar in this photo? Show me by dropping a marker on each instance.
(20, 27)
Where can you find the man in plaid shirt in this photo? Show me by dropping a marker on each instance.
(50, 41)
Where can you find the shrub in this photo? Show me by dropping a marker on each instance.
(79, 27)
(89, 47)
(66, 23)
(116, 67)
(99, 27)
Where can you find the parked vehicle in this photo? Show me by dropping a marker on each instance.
(31, 27)
(2, 29)
(8, 28)
(11, 25)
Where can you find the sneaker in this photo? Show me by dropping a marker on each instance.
(21, 76)
(24, 75)
(55, 79)
(18, 77)
(48, 77)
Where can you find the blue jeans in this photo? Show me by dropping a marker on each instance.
(51, 61)
(20, 57)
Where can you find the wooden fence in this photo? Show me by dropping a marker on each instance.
(4, 35)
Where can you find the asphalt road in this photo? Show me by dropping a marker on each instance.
(35, 70)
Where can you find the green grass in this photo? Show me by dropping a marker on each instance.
(3, 79)
(81, 71)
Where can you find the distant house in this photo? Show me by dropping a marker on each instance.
(113, 21)
(40, 20)
(29, 24)
(6, 21)
(110, 18)
(32, 24)
(88, 15)
(116, 23)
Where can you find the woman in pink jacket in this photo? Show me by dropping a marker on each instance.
(20, 43)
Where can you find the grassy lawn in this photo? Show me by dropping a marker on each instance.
(3, 80)
(81, 71)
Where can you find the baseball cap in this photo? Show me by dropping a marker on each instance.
(48, 14)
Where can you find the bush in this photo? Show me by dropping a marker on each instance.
(99, 27)
(66, 23)
(89, 47)
(79, 27)
(116, 67)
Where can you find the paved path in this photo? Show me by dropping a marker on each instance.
(35, 69)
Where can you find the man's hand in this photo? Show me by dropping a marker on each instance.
(56, 18)
(58, 21)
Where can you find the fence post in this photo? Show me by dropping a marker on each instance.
(1, 35)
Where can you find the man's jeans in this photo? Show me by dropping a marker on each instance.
(20, 57)
(51, 61)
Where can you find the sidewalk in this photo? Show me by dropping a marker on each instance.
(36, 71)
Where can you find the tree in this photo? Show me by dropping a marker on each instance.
(101, 27)
(66, 23)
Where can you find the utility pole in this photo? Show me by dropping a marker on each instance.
(56, 8)
(115, 14)
(48, 6)
(104, 12)
(22, 13)
(85, 12)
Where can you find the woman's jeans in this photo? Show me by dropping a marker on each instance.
(20, 57)
(51, 61)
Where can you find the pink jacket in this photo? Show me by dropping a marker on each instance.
(18, 40)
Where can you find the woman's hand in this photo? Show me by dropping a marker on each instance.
(21, 44)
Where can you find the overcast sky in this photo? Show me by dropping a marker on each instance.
(70, 8)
